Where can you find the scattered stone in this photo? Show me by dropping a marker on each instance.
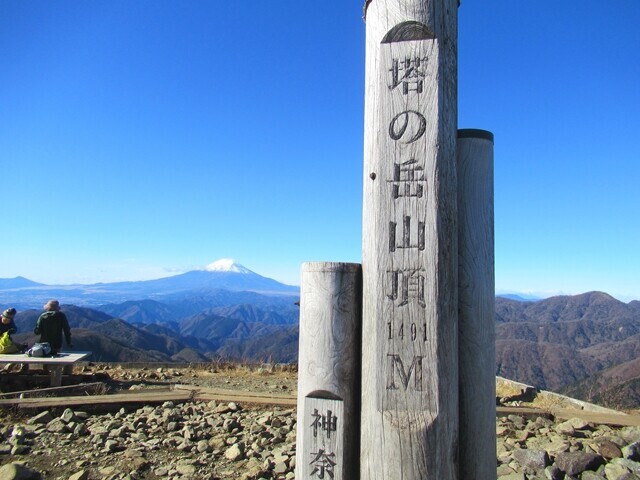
(186, 469)
(632, 451)
(81, 475)
(513, 476)
(19, 450)
(68, 416)
(41, 419)
(535, 460)
(504, 470)
(609, 450)
(633, 467)
(574, 463)
(588, 475)
(553, 473)
(234, 453)
(161, 471)
(57, 425)
(17, 471)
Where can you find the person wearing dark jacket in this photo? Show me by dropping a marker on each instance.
(51, 325)
(7, 324)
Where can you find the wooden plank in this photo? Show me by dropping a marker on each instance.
(329, 371)
(231, 393)
(598, 418)
(239, 398)
(51, 402)
(409, 421)
(222, 395)
(182, 393)
(476, 330)
(528, 411)
(51, 390)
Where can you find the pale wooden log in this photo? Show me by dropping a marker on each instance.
(51, 390)
(409, 421)
(222, 395)
(84, 400)
(477, 356)
(328, 371)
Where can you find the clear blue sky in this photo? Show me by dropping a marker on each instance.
(144, 138)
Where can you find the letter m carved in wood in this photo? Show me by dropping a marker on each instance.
(397, 366)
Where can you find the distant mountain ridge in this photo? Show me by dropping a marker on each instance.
(17, 282)
(563, 341)
(224, 274)
(518, 297)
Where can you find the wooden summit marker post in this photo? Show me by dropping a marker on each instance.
(328, 371)
(477, 352)
(409, 418)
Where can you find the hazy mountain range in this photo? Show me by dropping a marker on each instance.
(586, 345)
(224, 311)
(224, 274)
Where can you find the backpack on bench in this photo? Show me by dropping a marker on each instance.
(40, 350)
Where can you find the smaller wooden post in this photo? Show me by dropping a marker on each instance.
(55, 372)
(477, 357)
(329, 371)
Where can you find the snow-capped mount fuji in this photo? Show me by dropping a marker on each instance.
(223, 274)
(227, 265)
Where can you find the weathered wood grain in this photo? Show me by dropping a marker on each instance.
(328, 371)
(409, 421)
(476, 313)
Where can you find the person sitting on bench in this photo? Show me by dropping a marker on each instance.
(7, 324)
(51, 325)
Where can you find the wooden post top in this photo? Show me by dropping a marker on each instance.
(330, 267)
(366, 6)
(475, 133)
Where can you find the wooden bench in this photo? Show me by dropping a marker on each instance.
(55, 364)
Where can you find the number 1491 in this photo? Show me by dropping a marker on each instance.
(413, 331)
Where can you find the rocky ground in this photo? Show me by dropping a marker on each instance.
(539, 448)
(267, 378)
(209, 440)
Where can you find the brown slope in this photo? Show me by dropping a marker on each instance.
(545, 365)
(556, 342)
(596, 306)
(615, 387)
